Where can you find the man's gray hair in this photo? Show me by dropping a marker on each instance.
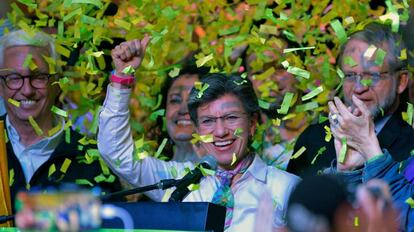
(23, 38)
(381, 36)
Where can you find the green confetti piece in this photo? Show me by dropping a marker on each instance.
(410, 202)
(54, 130)
(11, 177)
(65, 165)
(298, 72)
(320, 152)
(52, 169)
(263, 104)
(97, 3)
(238, 132)
(170, 13)
(265, 75)
(313, 93)
(35, 126)
(14, 102)
(27, 61)
(287, 50)
(161, 147)
(100, 178)
(173, 172)
(129, 70)
(77, 11)
(349, 61)
(403, 54)
(306, 107)
(342, 152)
(59, 111)
(62, 50)
(156, 114)
(229, 31)
(340, 73)
(410, 113)
(28, 186)
(366, 82)
(256, 144)
(67, 135)
(339, 30)
(380, 56)
(322, 119)
(298, 153)
(83, 182)
(174, 72)
(206, 171)
(287, 99)
(28, 3)
(193, 187)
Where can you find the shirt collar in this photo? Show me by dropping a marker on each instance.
(258, 169)
(47, 143)
(380, 123)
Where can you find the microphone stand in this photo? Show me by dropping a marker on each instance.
(163, 184)
(4, 219)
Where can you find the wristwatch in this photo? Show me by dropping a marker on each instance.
(124, 80)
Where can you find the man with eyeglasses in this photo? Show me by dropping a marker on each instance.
(375, 74)
(225, 113)
(40, 152)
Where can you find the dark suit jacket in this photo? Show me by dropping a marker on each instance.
(77, 169)
(396, 136)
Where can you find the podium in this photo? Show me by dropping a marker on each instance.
(191, 216)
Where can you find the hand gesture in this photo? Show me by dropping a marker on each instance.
(129, 53)
(354, 125)
(353, 159)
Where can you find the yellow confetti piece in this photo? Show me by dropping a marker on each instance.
(59, 111)
(203, 138)
(54, 130)
(161, 147)
(83, 182)
(380, 56)
(276, 122)
(129, 70)
(265, 75)
(167, 195)
(298, 153)
(234, 159)
(238, 132)
(52, 169)
(14, 102)
(285, 64)
(313, 93)
(328, 132)
(78, 11)
(203, 60)
(201, 87)
(174, 72)
(122, 23)
(35, 126)
(403, 55)
(349, 20)
(266, 29)
(410, 113)
(65, 165)
(370, 51)
(356, 221)
(395, 20)
(289, 116)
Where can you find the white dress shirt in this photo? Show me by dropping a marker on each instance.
(116, 146)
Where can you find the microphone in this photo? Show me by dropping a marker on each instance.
(193, 177)
(5, 218)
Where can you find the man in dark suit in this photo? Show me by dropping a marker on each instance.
(375, 74)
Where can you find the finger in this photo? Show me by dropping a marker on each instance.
(145, 41)
(361, 106)
(332, 108)
(366, 201)
(342, 109)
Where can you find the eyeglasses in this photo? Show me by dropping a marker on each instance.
(366, 78)
(229, 120)
(15, 81)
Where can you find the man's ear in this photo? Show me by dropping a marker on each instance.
(402, 81)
